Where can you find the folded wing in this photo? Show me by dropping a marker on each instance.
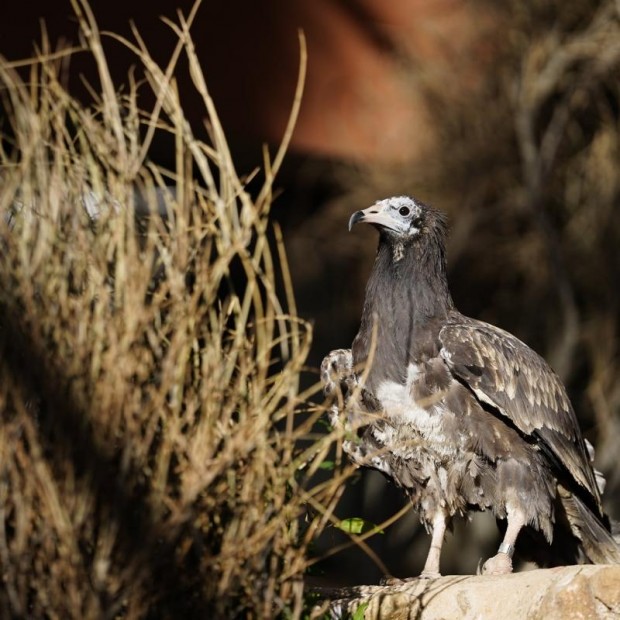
(511, 378)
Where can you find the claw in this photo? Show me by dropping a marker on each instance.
(500, 564)
(336, 369)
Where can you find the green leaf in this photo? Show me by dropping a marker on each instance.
(325, 423)
(358, 614)
(356, 525)
(327, 465)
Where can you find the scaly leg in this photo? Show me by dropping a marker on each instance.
(501, 564)
(431, 567)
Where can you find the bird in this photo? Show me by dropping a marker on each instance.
(460, 414)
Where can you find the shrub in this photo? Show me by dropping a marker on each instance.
(155, 456)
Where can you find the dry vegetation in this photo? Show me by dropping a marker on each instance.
(155, 450)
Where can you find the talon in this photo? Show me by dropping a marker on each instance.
(336, 369)
(430, 574)
(390, 581)
(500, 564)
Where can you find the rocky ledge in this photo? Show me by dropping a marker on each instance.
(565, 593)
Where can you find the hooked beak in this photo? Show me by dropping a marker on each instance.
(374, 215)
(358, 216)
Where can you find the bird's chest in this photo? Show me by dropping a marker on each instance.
(393, 356)
(417, 411)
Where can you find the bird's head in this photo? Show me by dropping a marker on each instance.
(401, 219)
(404, 222)
(410, 266)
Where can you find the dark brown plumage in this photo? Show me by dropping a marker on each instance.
(460, 414)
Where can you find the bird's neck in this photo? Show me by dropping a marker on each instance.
(413, 280)
(407, 300)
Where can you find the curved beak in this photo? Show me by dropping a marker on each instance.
(358, 216)
(374, 215)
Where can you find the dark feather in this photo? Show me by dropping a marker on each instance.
(597, 543)
(505, 373)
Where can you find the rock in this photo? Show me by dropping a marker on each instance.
(564, 593)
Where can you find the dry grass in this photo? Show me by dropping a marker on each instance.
(155, 450)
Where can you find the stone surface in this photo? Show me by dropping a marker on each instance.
(566, 593)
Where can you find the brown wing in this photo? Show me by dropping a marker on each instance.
(505, 373)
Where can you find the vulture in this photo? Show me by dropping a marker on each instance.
(458, 413)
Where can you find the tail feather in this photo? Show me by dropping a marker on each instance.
(597, 542)
(615, 530)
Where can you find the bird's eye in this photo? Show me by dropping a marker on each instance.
(404, 211)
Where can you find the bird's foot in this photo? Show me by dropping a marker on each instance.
(430, 574)
(336, 370)
(390, 581)
(500, 564)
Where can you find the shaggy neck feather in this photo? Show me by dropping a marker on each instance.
(406, 292)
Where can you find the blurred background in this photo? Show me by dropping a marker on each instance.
(503, 114)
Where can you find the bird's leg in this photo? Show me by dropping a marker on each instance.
(501, 563)
(431, 567)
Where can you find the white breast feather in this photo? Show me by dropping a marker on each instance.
(400, 407)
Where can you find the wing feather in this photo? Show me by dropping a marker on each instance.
(505, 373)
